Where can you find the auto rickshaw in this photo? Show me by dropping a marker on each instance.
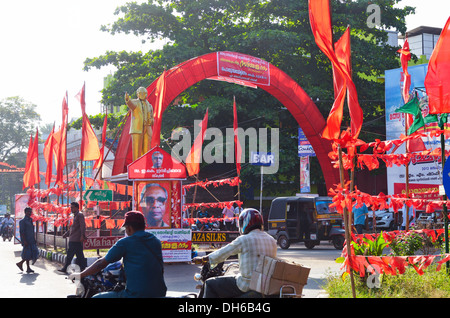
(308, 219)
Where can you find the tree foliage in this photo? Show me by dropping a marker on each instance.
(277, 31)
(17, 123)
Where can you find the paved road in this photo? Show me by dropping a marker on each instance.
(46, 283)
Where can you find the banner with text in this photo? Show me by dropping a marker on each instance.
(242, 68)
(176, 244)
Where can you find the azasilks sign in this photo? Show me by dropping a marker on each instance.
(213, 237)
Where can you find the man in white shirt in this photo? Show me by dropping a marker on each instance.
(228, 217)
(5, 222)
(253, 244)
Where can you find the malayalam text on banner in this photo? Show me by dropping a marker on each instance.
(243, 67)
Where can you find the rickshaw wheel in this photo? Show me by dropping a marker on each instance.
(283, 242)
(309, 245)
(338, 242)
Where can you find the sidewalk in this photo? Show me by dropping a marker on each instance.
(43, 283)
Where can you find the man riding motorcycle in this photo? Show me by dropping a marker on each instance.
(6, 222)
(142, 259)
(249, 246)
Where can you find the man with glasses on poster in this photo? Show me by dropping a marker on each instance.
(157, 159)
(153, 204)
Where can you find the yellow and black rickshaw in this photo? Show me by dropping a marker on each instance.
(305, 218)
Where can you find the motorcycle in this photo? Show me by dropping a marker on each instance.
(206, 226)
(286, 291)
(111, 278)
(7, 232)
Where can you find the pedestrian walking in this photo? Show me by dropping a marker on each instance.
(30, 251)
(77, 235)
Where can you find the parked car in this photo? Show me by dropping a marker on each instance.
(385, 220)
(430, 220)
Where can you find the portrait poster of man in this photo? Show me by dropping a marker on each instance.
(153, 199)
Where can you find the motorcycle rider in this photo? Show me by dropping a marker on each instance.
(6, 222)
(249, 246)
(142, 260)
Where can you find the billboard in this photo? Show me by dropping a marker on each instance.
(425, 172)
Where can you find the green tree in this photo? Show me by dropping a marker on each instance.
(277, 31)
(17, 123)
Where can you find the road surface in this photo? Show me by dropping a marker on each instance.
(47, 283)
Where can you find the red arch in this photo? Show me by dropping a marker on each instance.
(282, 87)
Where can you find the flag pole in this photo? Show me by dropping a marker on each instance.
(346, 223)
(81, 183)
(115, 138)
(67, 168)
(407, 176)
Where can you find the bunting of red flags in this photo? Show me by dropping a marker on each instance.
(391, 265)
(380, 149)
(216, 183)
(212, 205)
(191, 221)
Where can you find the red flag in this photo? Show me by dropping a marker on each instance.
(437, 80)
(194, 156)
(158, 109)
(333, 128)
(48, 156)
(405, 56)
(99, 162)
(237, 145)
(27, 164)
(62, 145)
(320, 19)
(415, 144)
(89, 142)
(343, 54)
(31, 175)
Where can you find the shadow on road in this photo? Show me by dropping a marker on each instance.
(29, 278)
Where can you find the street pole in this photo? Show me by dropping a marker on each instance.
(261, 190)
(444, 197)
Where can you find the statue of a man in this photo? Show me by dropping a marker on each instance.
(141, 122)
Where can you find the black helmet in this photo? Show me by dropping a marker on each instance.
(250, 219)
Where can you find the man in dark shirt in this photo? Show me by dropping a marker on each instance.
(142, 260)
(30, 251)
(77, 235)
